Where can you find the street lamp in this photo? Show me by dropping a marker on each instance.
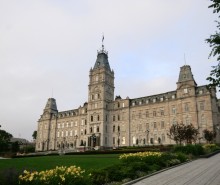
(148, 137)
(75, 140)
(93, 140)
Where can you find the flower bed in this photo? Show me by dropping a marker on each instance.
(60, 175)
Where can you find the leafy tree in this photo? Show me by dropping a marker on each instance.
(214, 43)
(5, 138)
(191, 134)
(34, 135)
(177, 133)
(183, 133)
(209, 135)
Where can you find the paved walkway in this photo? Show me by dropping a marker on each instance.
(199, 172)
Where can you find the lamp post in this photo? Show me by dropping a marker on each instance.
(148, 137)
(75, 140)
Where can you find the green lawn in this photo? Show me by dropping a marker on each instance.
(86, 162)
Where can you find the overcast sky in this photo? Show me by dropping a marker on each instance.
(50, 45)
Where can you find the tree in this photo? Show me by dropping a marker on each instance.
(183, 133)
(214, 43)
(5, 138)
(209, 135)
(34, 135)
(176, 133)
(191, 134)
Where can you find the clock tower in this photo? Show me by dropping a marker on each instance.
(100, 96)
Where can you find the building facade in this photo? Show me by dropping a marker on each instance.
(108, 122)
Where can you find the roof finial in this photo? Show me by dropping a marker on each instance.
(103, 41)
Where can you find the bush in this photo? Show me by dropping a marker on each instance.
(210, 148)
(60, 175)
(195, 150)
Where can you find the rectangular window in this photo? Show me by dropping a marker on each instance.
(186, 107)
(162, 124)
(75, 123)
(113, 118)
(66, 133)
(58, 134)
(155, 125)
(154, 113)
(162, 112)
(71, 133)
(113, 140)
(63, 125)
(201, 105)
(147, 114)
(174, 110)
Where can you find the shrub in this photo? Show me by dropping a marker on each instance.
(60, 175)
(190, 149)
(210, 148)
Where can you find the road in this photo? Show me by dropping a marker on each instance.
(204, 171)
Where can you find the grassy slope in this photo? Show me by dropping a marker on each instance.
(48, 162)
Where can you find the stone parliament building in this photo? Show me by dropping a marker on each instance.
(107, 122)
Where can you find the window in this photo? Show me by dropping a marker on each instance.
(85, 121)
(82, 122)
(200, 91)
(147, 114)
(147, 126)
(147, 101)
(134, 140)
(155, 125)
(106, 140)
(154, 100)
(163, 138)
(123, 104)
(186, 107)
(66, 133)
(106, 117)
(185, 90)
(58, 125)
(140, 102)
(90, 129)
(201, 105)
(63, 125)
(154, 113)
(71, 133)
(67, 124)
(173, 96)
(96, 78)
(118, 117)
(62, 133)
(91, 118)
(96, 105)
(98, 118)
(174, 110)
(85, 131)
(118, 128)
(113, 118)
(75, 133)
(162, 124)
(81, 131)
(133, 103)
(161, 99)
(75, 123)
(139, 114)
(58, 134)
(113, 128)
(71, 124)
(118, 104)
(123, 141)
(161, 112)
(113, 140)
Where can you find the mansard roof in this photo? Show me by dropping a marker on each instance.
(102, 60)
(200, 90)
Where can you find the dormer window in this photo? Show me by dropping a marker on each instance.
(185, 90)
(200, 91)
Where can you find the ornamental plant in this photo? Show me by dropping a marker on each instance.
(147, 157)
(60, 175)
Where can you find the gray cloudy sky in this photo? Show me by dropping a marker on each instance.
(52, 44)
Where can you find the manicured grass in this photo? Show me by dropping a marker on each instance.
(86, 162)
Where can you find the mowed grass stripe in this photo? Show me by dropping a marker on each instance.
(86, 162)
